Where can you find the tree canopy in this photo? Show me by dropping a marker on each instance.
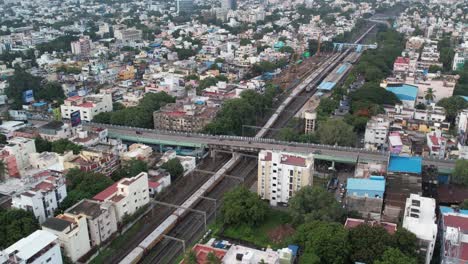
(241, 206)
(60, 146)
(395, 256)
(16, 224)
(174, 168)
(327, 241)
(453, 105)
(368, 243)
(314, 203)
(129, 169)
(336, 132)
(460, 173)
(138, 116)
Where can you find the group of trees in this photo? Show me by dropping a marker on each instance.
(138, 116)
(22, 81)
(453, 105)
(83, 185)
(238, 112)
(462, 85)
(59, 146)
(241, 206)
(209, 81)
(460, 172)
(329, 242)
(129, 169)
(319, 230)
(61, 43)
(174, 167)
(16, 224)
(268, 66)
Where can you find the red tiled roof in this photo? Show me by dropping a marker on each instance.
(109, 191)
(434, 140)
(456, 221)
(44, 186)
(293, 160)
(452, 194)
(464, 251)
(153, 184)
(402, 60)
(202, 252)
(353, 222)
(267, 157)
(73, 98)
(86, 105)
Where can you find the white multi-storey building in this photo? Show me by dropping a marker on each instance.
(21, 148)
(281, 174)
(101, 218)
(420, 219)
(88, 106)
(72, 232)
(376, 132)
(81, 47)
(37, 248)
(127, 195)
(43, 199)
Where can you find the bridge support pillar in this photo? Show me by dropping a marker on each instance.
(333, 164)
(213, 154)
(161, 148)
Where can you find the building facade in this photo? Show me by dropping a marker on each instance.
(281, 174)
(88, 106)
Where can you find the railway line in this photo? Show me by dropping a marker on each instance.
(174, 221)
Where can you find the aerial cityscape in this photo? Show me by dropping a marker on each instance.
(234, 131)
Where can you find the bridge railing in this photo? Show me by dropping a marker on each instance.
(256, 140)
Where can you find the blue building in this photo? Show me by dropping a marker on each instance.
(406, 93)
(374, 187)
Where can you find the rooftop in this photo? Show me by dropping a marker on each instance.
(86, 207)
(31, 245)
(56, 224)
(404, 92)
(405, 164)
(375, 184)
(53, 125)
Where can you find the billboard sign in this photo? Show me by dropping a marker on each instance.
(75, 118)
(28, 96)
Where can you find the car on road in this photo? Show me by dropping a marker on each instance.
(139, 132)
(317, 151)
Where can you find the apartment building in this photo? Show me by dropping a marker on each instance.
(43, 199)
(365, 196)
(20, 148)
(82, 46)
(94, 161)
(128, 34)
(37, 248)
(184, 117)
(376, 132)
(55, 130)
(101, 219)
(72, 233)
(281, 174)
(437, 144)
(454, 230)
(88, 106)
(310, 118)
(127, 195)
(420, 219)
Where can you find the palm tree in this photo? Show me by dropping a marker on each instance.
(430, 96)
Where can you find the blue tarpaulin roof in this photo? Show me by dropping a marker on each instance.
(326, 85)
(294, 249)
(404, 92)
(446, 210)
(374, 184)
(342, 69)
(465, 97)
(38, 104)
(405, 164)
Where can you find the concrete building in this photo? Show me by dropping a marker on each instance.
(437, 144)
(101, 219)
(20, 148)
(239, 255)
(366, 196)
(88, 106)
(184, 6)
(420, 219)
(454, 244)
(43, 199)
(94, 161)
(376, 132)
(55, 130)
(281, 174)
(188, 162)
(72, 232)
(310, 118)
(137, 151)
(37, 248)
(229, 4)
(183, 117)
(127, 35)
(127, 195)
(82, 46)
(158, 180)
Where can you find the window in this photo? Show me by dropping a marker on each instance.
(49, 259)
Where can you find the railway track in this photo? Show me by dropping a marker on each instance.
(192, 226)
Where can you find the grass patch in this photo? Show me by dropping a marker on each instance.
(116, 244)
(259, 235)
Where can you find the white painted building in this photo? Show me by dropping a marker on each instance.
(127, 195)
(37, 248)
(21, 148)
(88, 106)
(376, 132)
(101, 218)
(420, 219)
(281, 174)
(72, 232)
(242, 255)
(43, 199)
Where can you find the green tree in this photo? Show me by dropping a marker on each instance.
(336, 132)
(3, 138)
(314, 203)
(174, 168)
(460, 173)
(368, 243)
(190, 257)
(464, 204)
(241, 206)
(329, 241)
(429, 95)
(406, 242)
(51, 91)
(63, 145)
(309, 258)
(129, 169)
(16, 224)
(211, 258)
(42, 145)
(395, 256)
(83, 185)
(434, 69)
(453, 105)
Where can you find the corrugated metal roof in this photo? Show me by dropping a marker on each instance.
(404, 92)
(405, 164)
(326, 85)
